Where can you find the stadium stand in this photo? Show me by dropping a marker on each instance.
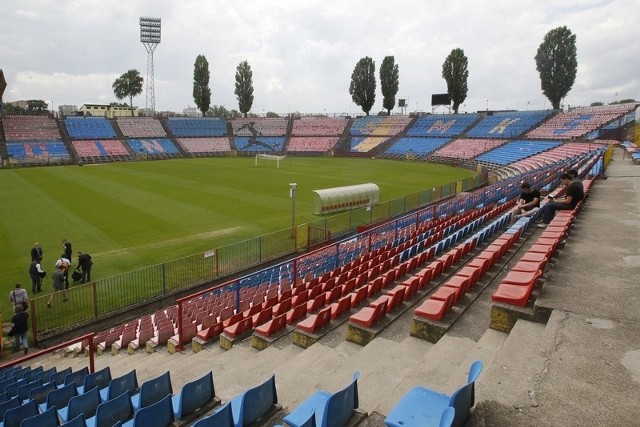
(259, 144)
(465, 148)
(100, 150)
(510, 124)
(256, 126)
(183, 127)
(140, 127)
(379, 125)
(30, 128)
(37, 153)
(579, 121)
(154, 148)
(205, 146)
(311, 144)
(442, 125)
(514, 151)
(413, 146)
(319, 126)
(89, 128)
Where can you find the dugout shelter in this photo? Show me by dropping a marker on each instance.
(338, 199)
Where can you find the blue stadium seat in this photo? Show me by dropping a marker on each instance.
(48, 418)
(14, 417)
(85, 404)
(331, 409)
(222, 417)
(254, 403)
(193, 396)
(100, 379)
(112, 411)
(59, 397)
(117, 386)
(422, 407)
(152, 391)
(158, 414)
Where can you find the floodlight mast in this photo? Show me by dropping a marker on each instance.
(150, 32)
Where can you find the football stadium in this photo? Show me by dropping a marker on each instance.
(322, 269)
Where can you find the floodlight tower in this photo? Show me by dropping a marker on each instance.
(150, 38)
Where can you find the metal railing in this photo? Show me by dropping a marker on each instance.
(103, 297)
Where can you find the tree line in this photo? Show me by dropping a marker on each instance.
(556, 62)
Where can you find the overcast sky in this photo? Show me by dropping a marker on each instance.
(303, 52)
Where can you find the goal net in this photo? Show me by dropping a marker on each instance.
(269, 157)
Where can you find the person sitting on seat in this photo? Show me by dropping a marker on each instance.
(528, 202)
(573, 195)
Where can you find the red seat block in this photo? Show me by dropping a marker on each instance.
(522, 278)
(529, 266)
(316, 321)
(296, 313)
(512, 294)
(397, 295)
(444, 293)
(238, 329)
(411, 286)
(272, 326)
(460, 284)
(534, 257)
(369, 316)
(432, 309)
(342, 306)
(472, 273)
(210, 332)
(358, 296)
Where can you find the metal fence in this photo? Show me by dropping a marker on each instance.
(102, 297)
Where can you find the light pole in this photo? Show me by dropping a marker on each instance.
(292, 194)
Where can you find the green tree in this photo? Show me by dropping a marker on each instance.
(596, 104)
(389, 82)
(455, 71)
(557, 63)
(201, 90)
(128, 85)
(363, 84)
(37, 106)
(244, 87)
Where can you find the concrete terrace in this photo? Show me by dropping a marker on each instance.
(580, 368)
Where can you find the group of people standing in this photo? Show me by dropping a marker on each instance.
(20, 299)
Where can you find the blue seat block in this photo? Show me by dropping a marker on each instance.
(220, 418)
(254, 403)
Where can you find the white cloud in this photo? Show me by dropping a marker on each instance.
(302, 53)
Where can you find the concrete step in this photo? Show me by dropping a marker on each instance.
(511, 377)
(432, 370)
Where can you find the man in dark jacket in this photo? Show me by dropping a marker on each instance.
(19, 329)
(36, 251)
(84, 264)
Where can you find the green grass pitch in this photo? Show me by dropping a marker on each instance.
(136, 214)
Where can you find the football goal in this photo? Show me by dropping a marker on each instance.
(269, 157)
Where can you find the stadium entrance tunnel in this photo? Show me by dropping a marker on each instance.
(338, 199)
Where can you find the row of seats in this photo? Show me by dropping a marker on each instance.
(379, 125)
(205, 145)
(89, 128)
(311, 144)
(88, 399)
(319, 126)
(507, 124)
(140, 127)
(516, 150)
(183, 127)
(517, 286)
(259, 126)
(415, 146)
(442, 125)
(465, 148)
(25, 128)
(579, 121)
(37, 153)
(99, 148)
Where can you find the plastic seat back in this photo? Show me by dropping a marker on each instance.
(40, 394)
(48, 418)
(254, 403)
(60, 397)
(193, 396)
(220, 418)
(158, 414)
(86, 404)
(464, 398)
(100, 379)
(114, 410)
(340, 405)
(8, 405)
(153, 391)
(13, 417)
(117, 386)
